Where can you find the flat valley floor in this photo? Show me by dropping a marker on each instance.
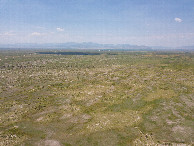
(103, 99)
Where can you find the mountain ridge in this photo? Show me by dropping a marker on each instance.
(89, 45)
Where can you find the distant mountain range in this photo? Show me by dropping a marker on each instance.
(72, 45)
(89, 45)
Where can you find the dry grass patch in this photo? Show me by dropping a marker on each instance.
(111, 120)
(160, 93)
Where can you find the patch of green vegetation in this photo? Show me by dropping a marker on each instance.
(129, 104)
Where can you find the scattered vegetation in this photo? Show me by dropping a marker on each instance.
(92, 98)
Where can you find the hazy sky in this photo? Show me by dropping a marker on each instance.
(139, 22)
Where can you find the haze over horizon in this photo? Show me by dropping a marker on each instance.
(136, 22)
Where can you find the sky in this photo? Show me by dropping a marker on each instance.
(137, 22)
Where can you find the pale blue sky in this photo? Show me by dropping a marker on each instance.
(139, 22)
